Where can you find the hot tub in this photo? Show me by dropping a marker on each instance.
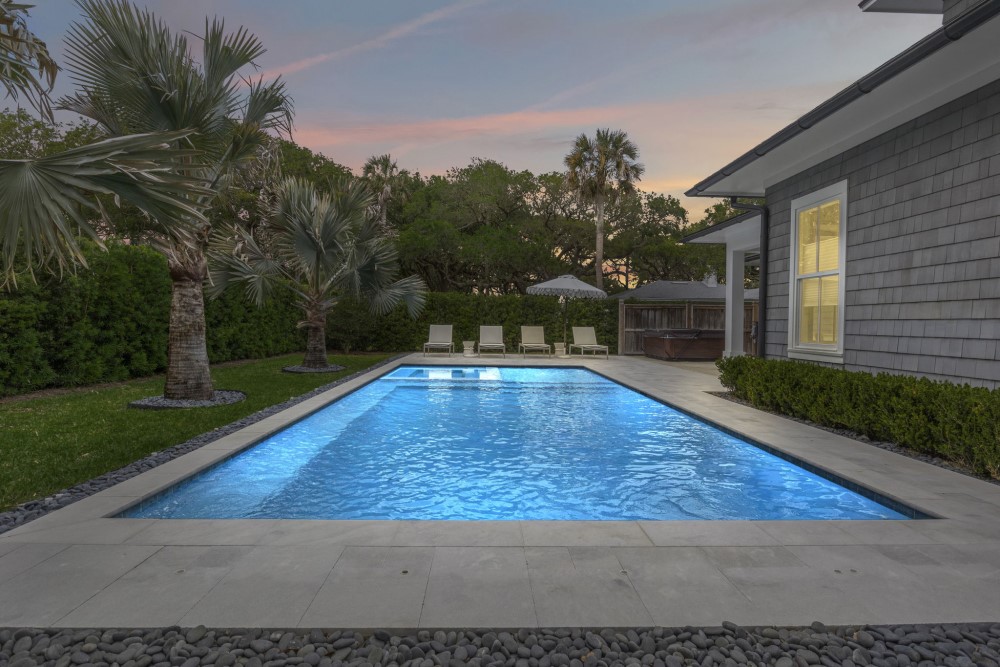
(684, 344)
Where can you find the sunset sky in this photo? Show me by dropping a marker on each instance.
(694, 82)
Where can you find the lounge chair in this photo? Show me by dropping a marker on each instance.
(533, 338)
(585, 339)
(491, 339)
(439, 339)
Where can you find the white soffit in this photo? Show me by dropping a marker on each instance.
(743, 235)
(953, 71)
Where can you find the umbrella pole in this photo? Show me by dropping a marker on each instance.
(565, 306)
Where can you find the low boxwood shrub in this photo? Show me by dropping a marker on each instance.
(960, 423)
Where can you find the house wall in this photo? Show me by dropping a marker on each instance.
(923, 245)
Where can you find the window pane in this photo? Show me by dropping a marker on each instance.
(829, 236)
(829, 304)
(807, 240)
(809, 307)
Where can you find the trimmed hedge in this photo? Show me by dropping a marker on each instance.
(109, 323)
(956, 422)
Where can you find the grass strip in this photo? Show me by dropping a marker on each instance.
(51, 442)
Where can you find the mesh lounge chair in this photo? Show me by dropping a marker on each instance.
(439, 339)
(533, 338)
(491, 338)
(585, 339)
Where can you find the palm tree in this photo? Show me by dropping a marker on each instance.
(601, 169)
(21, 55)
(320, 247)
(382, 172)
(41, 198)
(136, 76)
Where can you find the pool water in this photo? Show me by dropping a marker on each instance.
(505, 444)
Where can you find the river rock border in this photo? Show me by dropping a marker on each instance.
(33, 509)
(965, 645)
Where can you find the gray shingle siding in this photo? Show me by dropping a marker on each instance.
(922, 274)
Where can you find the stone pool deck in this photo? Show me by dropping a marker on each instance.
(77, 568)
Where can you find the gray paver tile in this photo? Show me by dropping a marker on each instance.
(143, 485)
(752, 557)
(18, 560)
(679, 585)
(458, 533)
(885, 532)
(335, 533)
(7, 547)
(56, 586)
(176, 578)
(565, 583)
(268, 587)
(704, 533)
(806, 532)
(194, 532)
(90, 531)
(584, 533)
(478, 586)
(373, 587)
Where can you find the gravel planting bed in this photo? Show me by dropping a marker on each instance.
(35, 508)
(888, 446)
(307, 369)
(967, 645)
(219, 397)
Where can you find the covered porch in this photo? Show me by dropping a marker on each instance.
(741, 236)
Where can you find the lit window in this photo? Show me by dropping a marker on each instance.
(817, 267)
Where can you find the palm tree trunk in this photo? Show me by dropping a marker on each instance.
(316, 345)
(599, 254)
(188, 376)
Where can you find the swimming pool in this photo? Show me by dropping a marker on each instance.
(479, 443)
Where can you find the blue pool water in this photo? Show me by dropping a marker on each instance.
(508, 443)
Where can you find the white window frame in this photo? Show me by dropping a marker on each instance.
(814, 352)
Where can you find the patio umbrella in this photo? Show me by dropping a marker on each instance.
(567, 287)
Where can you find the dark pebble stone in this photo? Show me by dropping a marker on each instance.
(523, 652)
(194, 635)
(594, 641)
(23, 662)
(342, 643)
(561, 659)
(191, 662)
(808, 655)
(865, 639)
(784, 661)
(80, 658)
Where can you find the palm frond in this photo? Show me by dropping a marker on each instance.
(42, 199)
(26, 68)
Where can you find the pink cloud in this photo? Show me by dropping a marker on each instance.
(681, 141)
(380, 41)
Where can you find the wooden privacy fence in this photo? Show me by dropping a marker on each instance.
(635, 319)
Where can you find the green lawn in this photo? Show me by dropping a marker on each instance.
(50, 443)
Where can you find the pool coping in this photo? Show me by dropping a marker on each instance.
(968, 509)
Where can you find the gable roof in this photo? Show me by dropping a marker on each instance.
(952, 61)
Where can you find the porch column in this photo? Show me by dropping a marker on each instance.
(735, 267)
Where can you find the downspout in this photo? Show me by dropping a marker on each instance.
(762, 290)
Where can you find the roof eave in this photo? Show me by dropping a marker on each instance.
(922, 49)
